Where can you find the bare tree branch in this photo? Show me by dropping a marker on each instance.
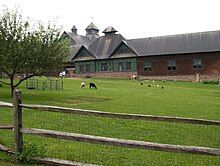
(23, 79)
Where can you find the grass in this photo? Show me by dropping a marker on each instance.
(183, 99)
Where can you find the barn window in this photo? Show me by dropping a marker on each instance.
(124, 66)
(81, 68)
(88, 68)
(120, 66)
(128, 66)
(104, 67)
(197, 64)
(171, 65)
(147, 66)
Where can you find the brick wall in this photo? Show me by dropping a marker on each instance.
(182, 77)
(184, 62)
(106, 75)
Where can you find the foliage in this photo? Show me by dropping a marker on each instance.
(216, 82)
(30, 150)
(28, 50)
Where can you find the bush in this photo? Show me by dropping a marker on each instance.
(30, 150)
(216, 82)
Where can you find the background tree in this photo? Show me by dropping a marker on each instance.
(28, 51)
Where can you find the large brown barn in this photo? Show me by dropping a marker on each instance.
(183, 57)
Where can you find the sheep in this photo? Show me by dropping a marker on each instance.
(92, 85)
(82, 85)
(133, 77)
(157, 86)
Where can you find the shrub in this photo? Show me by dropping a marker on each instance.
(216, 82)
(30, 150)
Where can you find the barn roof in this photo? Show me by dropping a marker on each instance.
(102, 47)
(178, 44)
(79, 39)
(105, 45)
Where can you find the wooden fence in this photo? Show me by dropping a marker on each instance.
(19, 130)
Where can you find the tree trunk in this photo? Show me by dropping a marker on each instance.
(12, 87)
(12, 90)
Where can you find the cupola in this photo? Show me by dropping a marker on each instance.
(109, 31)
(74, 30)
(92, 30)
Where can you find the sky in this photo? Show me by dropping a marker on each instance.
(131, 18)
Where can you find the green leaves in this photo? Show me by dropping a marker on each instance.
(29, 50)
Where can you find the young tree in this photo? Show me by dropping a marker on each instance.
(28, 51)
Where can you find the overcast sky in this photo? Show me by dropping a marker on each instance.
(132, 18)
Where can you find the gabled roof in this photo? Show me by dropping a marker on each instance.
(78, 48)
(105, 45)
(128, 45)
(73, 51)
(178, 44)
(79, 39)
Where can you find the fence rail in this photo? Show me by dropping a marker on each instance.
(19, 130)
(6, 127)
(115, 115)
(5, 149)
(120, 142)
(121, 115)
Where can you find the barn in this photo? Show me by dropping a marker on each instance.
(182, 57)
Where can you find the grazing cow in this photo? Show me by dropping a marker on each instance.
(162, 87)
(0, 84)
(141, 83)
(92, 85)
(82, 85)
(148, 85)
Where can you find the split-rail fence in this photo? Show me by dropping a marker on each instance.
(19, 130)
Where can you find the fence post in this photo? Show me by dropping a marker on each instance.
(18, 141)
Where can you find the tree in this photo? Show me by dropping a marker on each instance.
(27, 51)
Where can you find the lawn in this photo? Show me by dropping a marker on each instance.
(182, 99)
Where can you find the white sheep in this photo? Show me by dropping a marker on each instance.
(82, 85)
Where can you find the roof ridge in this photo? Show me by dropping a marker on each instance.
(192, 33)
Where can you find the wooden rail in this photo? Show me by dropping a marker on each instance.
(6, 105)
(121, 115)
(5, 149)
(53, 161)
(6, 127)
(121, 142)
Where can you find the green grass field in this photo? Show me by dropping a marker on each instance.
(182, 99)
